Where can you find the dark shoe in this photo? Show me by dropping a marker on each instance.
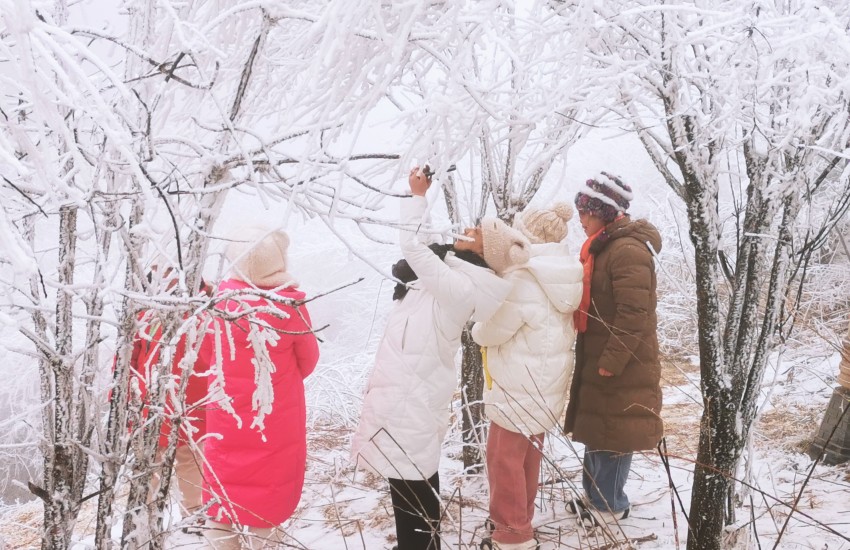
(195, 527)
(590, 517)
(575, 506)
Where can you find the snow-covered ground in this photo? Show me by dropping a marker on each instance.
(341, 509)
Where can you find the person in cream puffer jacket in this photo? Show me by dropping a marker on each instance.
(528, 345)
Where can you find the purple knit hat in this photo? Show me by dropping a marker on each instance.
(606, 197)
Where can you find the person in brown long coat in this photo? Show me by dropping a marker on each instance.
(615, 397)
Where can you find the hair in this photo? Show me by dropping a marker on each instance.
(402, 271)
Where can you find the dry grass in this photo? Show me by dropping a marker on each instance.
(338, 492)
(325, 437)
(681, 419)
(20, 527)
(678, 371)
(791, 428)
(681, 429)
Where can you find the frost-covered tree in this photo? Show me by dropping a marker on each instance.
(57, 133)
(120, 145)
(488, 87)
(743, 107)
(527, 110)
(105, 168)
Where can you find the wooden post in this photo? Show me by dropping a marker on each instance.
(833, 438)
(844, 368)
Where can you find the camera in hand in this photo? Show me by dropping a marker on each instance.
(428, 171)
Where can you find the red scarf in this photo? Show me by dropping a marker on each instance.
(586, 258)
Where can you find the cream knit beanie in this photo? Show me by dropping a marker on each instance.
(258, 256)
(503, 246)
(545, 225)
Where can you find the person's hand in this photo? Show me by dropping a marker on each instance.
(419, 182)
(605, 373)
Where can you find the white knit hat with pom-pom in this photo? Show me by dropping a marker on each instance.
(545, 225)
(503, 246)
(258, 256)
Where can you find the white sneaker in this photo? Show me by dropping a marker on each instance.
(527, 545)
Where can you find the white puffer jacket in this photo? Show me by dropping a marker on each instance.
(529, 342)
(406, 408)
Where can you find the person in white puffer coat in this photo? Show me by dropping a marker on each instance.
(406, 408)
(529, 359)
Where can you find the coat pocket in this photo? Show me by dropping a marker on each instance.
(404, 335)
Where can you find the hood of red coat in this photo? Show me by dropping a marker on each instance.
(287, 292)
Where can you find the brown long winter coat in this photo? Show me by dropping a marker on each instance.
(619, 413)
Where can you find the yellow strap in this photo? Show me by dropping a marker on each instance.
(487, 378)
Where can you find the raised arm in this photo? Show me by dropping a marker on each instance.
(444, 283)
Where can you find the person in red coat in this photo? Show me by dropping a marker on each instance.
(260, 348)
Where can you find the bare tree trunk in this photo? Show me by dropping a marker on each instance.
(114, 448)
(472, 395)
(715, 455)
(471, 371)
(147, 500)
(508, 204)
(66, 470)
(87, 412)
(42, 344)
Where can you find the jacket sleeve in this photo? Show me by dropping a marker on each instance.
(447, 285)
(306, 345)
(505, 323)
(631, 275)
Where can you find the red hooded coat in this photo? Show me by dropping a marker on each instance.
(258, 475)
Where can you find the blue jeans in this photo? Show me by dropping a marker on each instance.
(604, 476)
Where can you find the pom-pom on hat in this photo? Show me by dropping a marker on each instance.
(258, 256)
(545, 225)
(605, 196)
(503, 246)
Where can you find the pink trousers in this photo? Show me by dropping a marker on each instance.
(513, 471)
